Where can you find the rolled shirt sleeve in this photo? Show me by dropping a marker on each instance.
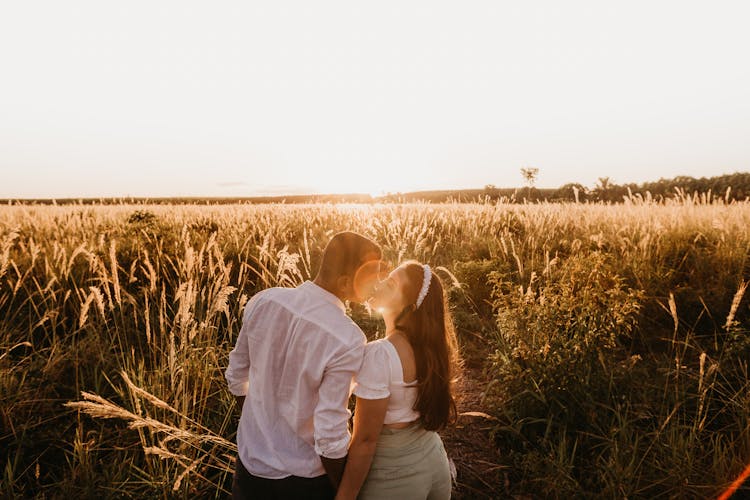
(331, 417)
(237, 373)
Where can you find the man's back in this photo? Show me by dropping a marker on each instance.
(297, 351)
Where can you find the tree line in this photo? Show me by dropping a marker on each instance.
(731, 187)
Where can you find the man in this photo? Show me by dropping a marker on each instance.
(291, 371)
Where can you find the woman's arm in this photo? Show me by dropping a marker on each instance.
(369, 415)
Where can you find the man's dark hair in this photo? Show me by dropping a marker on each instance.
(345, 253)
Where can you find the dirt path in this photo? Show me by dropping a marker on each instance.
(469, 444)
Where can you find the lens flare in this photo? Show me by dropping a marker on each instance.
(368, 276)
(736, 484)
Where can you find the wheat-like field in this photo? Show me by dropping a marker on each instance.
(608, 344)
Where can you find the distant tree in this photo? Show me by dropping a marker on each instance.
(529, 175)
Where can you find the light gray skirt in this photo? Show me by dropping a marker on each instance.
(409, 463)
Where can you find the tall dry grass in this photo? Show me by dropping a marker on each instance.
(116, 323)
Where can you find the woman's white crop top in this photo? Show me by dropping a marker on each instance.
(381, 376)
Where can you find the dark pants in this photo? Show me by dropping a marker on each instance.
(246, 486)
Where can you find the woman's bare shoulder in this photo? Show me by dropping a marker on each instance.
(405, 353)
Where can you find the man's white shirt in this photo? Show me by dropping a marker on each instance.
(294, 360)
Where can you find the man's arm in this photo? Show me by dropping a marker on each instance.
(237, 373)
(331, 417)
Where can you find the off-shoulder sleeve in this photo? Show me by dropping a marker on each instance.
(374, 377)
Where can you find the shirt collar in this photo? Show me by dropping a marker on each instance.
(323, 294)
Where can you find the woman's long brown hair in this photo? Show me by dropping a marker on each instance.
(430, 332)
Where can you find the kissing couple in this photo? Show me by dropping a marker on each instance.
(297, 358)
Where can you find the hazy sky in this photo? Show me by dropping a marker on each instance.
(175, 98)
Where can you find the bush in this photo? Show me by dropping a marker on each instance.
(559, 365)
(142, 217)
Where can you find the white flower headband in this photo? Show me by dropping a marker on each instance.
(425, 285)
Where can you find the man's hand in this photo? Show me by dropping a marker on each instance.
(335, 469)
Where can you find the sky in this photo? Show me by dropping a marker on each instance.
(182, 98)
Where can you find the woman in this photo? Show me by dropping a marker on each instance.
(395, 451)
